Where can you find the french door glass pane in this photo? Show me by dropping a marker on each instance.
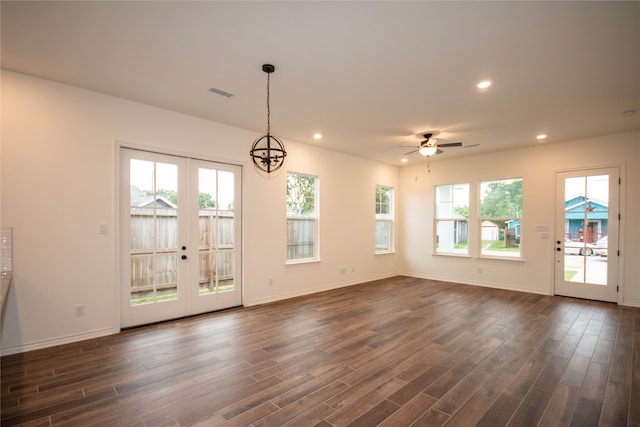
(216, 222)
(154, 232)
(586, 227)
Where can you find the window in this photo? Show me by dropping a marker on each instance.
(452, 219)
(501, 217)
(384, 219)
(302, 217)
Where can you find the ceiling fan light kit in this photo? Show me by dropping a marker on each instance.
(431, 146)
(428, 150)
(268, 152)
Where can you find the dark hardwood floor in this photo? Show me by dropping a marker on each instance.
(394, 352)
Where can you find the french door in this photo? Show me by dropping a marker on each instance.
(586, 241)
(179, 237)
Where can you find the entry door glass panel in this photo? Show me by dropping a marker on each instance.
(586, 221)
(587, 208)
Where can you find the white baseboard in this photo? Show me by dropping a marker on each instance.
(287, 295)
(493, 285)
(631, 303)
(67, 339)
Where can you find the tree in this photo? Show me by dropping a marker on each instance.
(205, 199)
(300, 194)
(463, 211)
(383, 204)
(170, 195)
(501, 202)
(502, 199)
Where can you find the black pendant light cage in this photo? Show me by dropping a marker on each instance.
(268, 152)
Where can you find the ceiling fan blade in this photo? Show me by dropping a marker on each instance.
(411, 152)
(450, 144)
(438, 151)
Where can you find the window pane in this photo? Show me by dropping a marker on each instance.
(452, 236)
(452, 213)
(383, 200)
(300, 194)
(383, 236)
(302, 220)
(300, 238)
(501, 216)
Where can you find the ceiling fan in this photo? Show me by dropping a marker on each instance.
(431, 146)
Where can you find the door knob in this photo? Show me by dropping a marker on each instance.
(184, 248)
(184, 257)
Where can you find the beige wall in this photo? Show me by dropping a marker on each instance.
(537, 166)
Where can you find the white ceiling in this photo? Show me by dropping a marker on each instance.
(369, 76)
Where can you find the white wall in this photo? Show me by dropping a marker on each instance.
(537, 166)
(58, 183)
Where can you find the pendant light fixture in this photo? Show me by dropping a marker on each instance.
(268, 152)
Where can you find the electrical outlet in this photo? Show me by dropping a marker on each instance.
(343, 270)
(270, 282)
(79, 310)
(479, 270)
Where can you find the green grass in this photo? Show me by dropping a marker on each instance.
(173, 296)
(461, 245)
(498, 245)
(147, 300)
(569, 274)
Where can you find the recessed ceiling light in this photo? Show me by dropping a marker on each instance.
(541, 136)
(404, 160)
(484, 84)
(317, 136)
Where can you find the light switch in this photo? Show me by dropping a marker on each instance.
(104, 229)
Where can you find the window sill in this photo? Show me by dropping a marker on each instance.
(451, 254)
(501, 258)
(385, 253)
(302, 261)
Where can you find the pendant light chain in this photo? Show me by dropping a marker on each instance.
(268, 107)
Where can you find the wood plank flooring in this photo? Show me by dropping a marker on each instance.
(394, 352)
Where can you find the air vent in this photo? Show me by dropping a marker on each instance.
(221, 92)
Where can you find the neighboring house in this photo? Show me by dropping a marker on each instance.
(580, 208)
(490, 231)
(140, 199)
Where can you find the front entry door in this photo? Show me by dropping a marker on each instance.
(586, 241)
(179, 237)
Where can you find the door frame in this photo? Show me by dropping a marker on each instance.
(117, 148)
(619, 266)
